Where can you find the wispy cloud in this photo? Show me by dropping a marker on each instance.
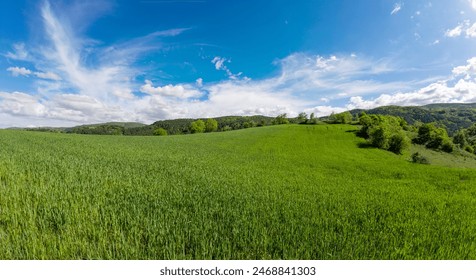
(22, 71)
(102, 84)
(19, 52)
(219, 63)
(396, 8)
(74, 79)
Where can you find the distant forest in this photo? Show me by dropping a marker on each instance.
(452, 117)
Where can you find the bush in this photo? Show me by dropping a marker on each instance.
(398, 142)
(281, 119)
(447, 146)
(433, 138)
(345, 117)
(160, 132)
(469, 149)
(418, 158)
(211, 125)
(197, 126)
(379, 138)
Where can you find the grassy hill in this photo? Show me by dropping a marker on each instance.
(277, 192)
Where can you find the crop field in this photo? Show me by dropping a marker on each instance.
(278, 192)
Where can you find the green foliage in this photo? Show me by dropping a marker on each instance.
(452, 116)
(466, 139)
(469, 149)
(460, 138)
(447, 146)
(277, 192)
(302, 118)
(211, 125)
(281, 119)
(398, 142)
(312, 119)
(433, 137)
(384, 132)
(160, 132)
(379, 136)
(249, 124)
(197, 126)
(344, 118)
(101, 129)
(182, 126)
(418, 158)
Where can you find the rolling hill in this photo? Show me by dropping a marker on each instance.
(274, 192)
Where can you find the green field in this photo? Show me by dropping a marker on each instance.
(278, 192)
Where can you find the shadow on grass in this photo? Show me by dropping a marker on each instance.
(364, 145)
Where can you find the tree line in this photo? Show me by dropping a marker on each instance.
(388, 132)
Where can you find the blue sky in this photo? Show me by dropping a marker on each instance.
(75, 62)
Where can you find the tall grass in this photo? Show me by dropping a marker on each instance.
(282, 192)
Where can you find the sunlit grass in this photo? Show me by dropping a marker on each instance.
(281, 192)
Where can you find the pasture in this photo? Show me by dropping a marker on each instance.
(277, 192)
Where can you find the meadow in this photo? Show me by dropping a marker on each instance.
(277, 192)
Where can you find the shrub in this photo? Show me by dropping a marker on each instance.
(418, 158)
(197, 126)
(345, 117)
(433, 138)
(398, 142)
(302, 118)
(211, 125)
(447, 146)
(469, 149)
(160, 132)
(281, 119)
(379, 137)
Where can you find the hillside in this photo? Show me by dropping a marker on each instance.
(452, 116)
(274, 192)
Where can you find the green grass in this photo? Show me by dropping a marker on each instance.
(280, 192)
(458, 158)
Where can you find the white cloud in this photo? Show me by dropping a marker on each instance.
(19, 71)
(471, 31)
(473, 4)
(439, 92)
(22, 71)
(466, 70)
(19, 53)
(303, 83)
(396, 8)
(455, 32)
(219, 63)
(178, 91)
(48, 76)
(463, 28)
(72, 92)
(452, 90)
(320, 111)
(21, 104)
